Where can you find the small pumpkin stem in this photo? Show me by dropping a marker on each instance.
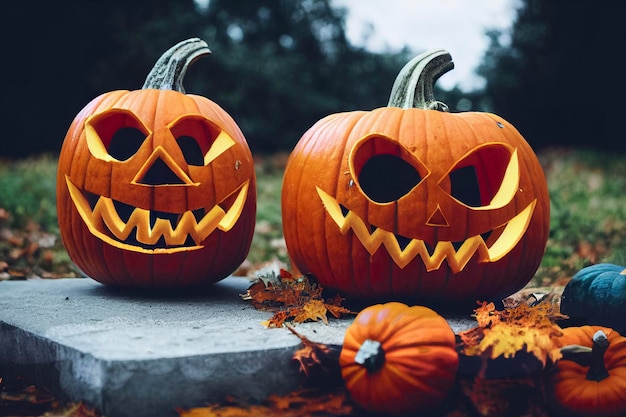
(576, 353)
(597, 369)
(371, 355)
(415, 84)
(170, 69)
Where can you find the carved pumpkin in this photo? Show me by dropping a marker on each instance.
(409, 200)
(592, 382)
(156, 187)
(398, 359)
(597, 295)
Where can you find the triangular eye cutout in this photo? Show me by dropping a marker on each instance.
(485, 178)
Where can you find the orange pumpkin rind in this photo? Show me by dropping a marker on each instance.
(156, 187)
(398, 359)
(413, 201)
(591, 378)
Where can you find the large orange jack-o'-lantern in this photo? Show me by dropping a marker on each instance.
(156, 187)
(410, 200)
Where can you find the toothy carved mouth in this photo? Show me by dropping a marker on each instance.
(155, 231)
(457, 254)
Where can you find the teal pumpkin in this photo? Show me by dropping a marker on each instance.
(596, 295)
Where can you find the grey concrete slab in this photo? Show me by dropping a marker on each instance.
(138, 353)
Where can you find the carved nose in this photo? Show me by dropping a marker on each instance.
(161, 169)
(160, 173)
(437, 219)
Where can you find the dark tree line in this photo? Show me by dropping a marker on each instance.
(60, 54)
(558, 79)
(276, 67)
(280, 65)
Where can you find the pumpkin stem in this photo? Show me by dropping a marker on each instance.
(370, 355)
(576, 353)
(170, 69)
(415, 84)
(597, 369)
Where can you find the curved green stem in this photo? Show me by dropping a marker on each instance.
(415, 84)
(576, 353)
(371, 355)
(597, 369)
(170, 69)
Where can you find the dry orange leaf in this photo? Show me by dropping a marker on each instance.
(303, 403)
(289, 297)
(523, 327)
(73, 410)
(319, 362)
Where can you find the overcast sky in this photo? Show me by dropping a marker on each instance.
(457, 26)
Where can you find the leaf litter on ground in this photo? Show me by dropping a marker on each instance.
(292, 298)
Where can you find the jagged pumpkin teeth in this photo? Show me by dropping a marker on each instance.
(412, 201)
(151, 227)
(138, 178)
(404, 249)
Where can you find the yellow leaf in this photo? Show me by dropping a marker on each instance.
(486, 314)
(296, 298)
(300, 403)
(312, 310)
(515, 329)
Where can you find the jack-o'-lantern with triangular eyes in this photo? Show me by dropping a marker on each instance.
(156, 187)
(412, 201)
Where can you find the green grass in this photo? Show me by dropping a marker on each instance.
(27, 191)
(587, 192)
(268, 243)
(588, 211)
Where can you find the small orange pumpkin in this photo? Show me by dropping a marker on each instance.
(410, 200)
(156, 187)
(398, 359)
(597, 385)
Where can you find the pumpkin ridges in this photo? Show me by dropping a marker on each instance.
(406, 323)
(104, 257)
(443, 339)
(318, 240)
(583, 335)
(142, 263)
(478, 122)
(338, 124)
(371, 269)
(417, 284)
(371, 280)
(420, 358)
(407, 377)
(388, 319)
(307, 153)
(421, 335)
(438, 358)
(77, 159)
(571, 387)
(369, 397)
(596, 295)
(570, 391)
(617, 355)
(368, 392)
(617, 405)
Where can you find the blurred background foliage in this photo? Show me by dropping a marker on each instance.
(280, 65)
